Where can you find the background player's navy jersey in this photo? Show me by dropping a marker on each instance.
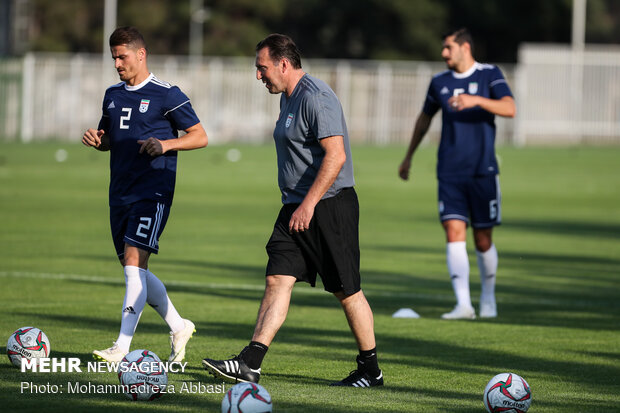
(151, 109)
(467, 146)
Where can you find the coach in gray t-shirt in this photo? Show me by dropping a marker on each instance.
(316, 231)
(312, 112)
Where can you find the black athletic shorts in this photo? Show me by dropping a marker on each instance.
(139, 224)
(330, 247)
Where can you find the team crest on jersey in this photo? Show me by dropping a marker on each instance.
(473, 88)
(289, 120)
(144, 105)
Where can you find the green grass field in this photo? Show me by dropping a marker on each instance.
(558, 282)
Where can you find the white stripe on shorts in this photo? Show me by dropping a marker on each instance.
(158, 217)
(499, 200)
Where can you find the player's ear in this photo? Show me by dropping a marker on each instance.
(285, 64)
(467, 47)
(142, 54)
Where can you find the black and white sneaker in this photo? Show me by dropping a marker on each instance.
(359, 378)
(233, 371)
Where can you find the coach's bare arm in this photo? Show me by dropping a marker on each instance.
(96, 139)
(195, 138)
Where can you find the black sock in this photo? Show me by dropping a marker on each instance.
(367, 361)
(253, 354)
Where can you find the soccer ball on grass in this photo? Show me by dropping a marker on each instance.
(143, 375)
(28, 343)
(247, 398)
(507, 393)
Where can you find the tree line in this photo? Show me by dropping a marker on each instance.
(352, 29)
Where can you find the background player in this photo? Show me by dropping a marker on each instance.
(139, 126)
(317, 228)
(469, 95)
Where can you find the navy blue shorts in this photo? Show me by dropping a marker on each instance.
(330, 247)
(475, 200)
(139, 224)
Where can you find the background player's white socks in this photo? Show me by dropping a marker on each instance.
(458, 268)
(159, 300)
(135, 299)
(487, 263)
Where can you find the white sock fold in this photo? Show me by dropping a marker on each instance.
(159, 300)
(135, 299)
(487, 264)
(458, 268)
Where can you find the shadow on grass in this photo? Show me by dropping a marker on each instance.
(576, 305)
(585, 229)
(395, 351)
(394, 348)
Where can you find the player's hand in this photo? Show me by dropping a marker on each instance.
(403, 169)
(92, 137)
(152, 146)
(463, 101)
(300, 220)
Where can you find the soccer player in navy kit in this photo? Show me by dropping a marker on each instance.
(469, 95)
(317, 228)
(139, 126)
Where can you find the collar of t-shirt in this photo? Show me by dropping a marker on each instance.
(141, 85)
(466, 73)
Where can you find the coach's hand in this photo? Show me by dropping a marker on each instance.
(152, 146)
(300, 220)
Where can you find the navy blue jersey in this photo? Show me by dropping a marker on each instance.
(130, 113)
(467, 146)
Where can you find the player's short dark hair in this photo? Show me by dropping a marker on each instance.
(461, 36)
(129, 36)
(281, 46)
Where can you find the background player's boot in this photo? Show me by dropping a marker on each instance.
(460, 312)
(179, 340)
(488, 309)
(234, 370)
(111, 355)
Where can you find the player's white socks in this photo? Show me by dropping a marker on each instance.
(158, 299)
(135, 299)
(487, 263)
(458, 268)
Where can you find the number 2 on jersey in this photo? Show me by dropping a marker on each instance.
(123, 125)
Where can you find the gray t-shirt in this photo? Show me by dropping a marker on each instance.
(311, 113)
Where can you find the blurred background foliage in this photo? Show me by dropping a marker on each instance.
(352, 29)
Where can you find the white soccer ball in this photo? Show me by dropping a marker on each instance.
(507, 393)
(28, 343)
(143, 375)
(247, 398)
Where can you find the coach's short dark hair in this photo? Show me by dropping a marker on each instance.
(461, 36)
(281, 46)
(129, 36)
